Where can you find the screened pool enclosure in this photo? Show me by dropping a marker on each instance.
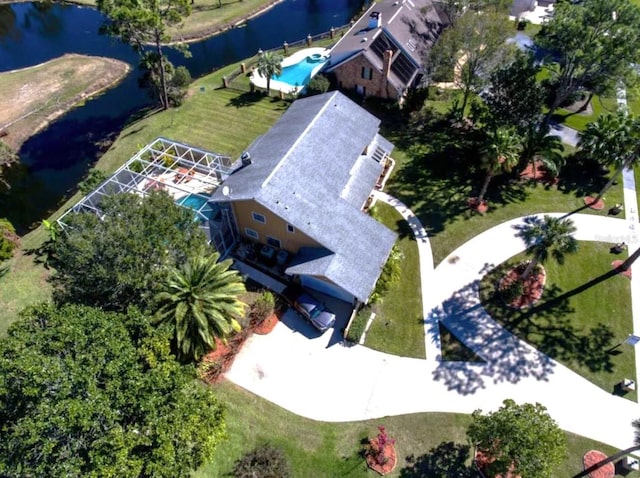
(188, 174)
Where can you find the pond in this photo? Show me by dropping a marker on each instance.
(56, 158)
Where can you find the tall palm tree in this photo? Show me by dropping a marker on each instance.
(499, 155)
(547, 237)
(538, 146)
(614, 140)
(201, 299)
(269, 64)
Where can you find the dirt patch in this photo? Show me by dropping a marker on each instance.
(478, 206)
(590, 202)
(35, 96)
(539, 173)
(617, 263)
(267, 325)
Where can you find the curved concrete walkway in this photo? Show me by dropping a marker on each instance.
(309, 376)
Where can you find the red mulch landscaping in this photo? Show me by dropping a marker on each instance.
(480, 207)
(597, 206)
(484, 459)
(617, 263)
(541, 174)
(267, 325)
(532, 287)
(390, 459)
(594, 456)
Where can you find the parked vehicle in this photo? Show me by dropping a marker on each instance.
(313, 310)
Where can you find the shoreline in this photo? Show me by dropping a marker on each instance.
(122, 70)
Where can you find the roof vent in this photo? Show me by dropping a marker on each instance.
(364, 39)
(246, 158)
(374, 20)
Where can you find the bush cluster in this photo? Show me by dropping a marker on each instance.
(266, 461)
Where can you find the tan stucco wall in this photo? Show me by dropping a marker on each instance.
(274, 227)
(349, 75)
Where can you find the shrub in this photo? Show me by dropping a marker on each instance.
(262, 308)
(358, 324)
(511, 291)
(376, 447)
(390, 275)
(266, 461)
(178, 85)
(9, 240)
(319, 84)
(93, 179)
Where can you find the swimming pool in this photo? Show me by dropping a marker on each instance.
(299, 74)
(196, 202)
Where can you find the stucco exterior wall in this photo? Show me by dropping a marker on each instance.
(349, 76)
(274, 227)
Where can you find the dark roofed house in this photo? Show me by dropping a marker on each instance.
(302, 189)
(382, 55)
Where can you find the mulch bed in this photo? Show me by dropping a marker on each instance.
(596, 206)
(480, 207)
(267, 325)
(617, 263)
(532, 287)
(390, 460)
(594, 456)
(484, 459)
(541, 174)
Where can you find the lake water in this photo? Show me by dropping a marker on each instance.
(59, 156)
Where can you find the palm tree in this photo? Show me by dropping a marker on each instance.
(614, 140)
(499, 155)
(201, 299)
(550, 236)
(538, 146)
(269, 64)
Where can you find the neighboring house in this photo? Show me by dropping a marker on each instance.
(302, 188)
(383, 54)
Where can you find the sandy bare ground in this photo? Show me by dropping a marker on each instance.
(33, 97)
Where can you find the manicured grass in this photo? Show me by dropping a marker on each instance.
(399, 327)
(220, 120)
(581, 317)
(599, 106)
(428, 444)
(453, 350)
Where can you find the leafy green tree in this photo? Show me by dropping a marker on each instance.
(93, 179)
(591, 43)
(143, 24)
(613, 140)
(547, 237)
(9, 240)
(122, 258)
(85, 392)
(7, 158)
(472, 48)
(201, 302)
(514, 97)
(499, 155)
(269, 64)
(522, 439)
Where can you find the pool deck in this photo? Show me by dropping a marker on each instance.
(261, 82)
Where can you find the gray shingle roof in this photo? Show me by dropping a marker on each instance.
(408, 27)
(309, 170)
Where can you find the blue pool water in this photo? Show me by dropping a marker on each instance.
(300, 73)
(195, 202)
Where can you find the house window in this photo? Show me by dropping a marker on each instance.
(251, 233)
(366, 73)
(290, 228)
(259, 218)
(273, 242)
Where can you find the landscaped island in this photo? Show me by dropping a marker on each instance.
(35, 96)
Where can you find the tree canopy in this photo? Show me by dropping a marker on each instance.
(143, 24)
(269, 64)
(522, 439)
(588, 44)
(85, 392)
(122, 258)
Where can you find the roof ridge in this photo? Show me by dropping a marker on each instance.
(299, 138)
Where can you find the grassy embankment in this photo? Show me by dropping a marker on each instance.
(35, 96)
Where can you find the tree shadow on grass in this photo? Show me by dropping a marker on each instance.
(582, 176)
(246, 99)
(547, 326)
(447, 460)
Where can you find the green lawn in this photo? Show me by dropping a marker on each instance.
(581, 317)
(428, 444)
(599, 106)
(220, 120)
(399, 327)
